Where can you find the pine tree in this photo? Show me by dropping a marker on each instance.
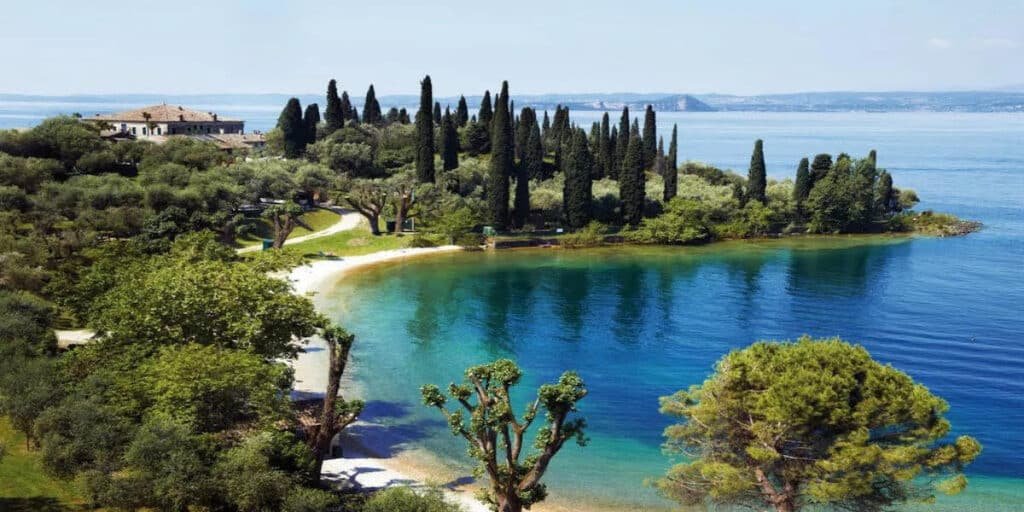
(757, 180)
(437, 113)
(371, 109)
(671, 173)
(425, 134)
(631, 181)
(502, 164)
(449, 143)
(802, 185)
(623, 141)
(604, 148)
(486, 113)
(577, 193)
(462, 113)
(310, 119)
(334, 115)
(293, 130)
(650, 137)
(533, 154)
(348, 112)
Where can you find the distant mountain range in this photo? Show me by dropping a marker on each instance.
(1008, 99)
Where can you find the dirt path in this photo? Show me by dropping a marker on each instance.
(348, 220)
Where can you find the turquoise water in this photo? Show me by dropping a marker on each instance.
(639, 323)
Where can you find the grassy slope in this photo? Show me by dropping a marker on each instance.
(23, 484)
(349, 243)
(318, 219)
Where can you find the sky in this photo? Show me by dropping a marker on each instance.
(61, 47)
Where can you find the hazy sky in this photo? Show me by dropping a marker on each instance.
(751, 46)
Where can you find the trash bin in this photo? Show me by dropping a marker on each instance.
(267, 244)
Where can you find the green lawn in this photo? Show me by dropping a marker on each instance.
(318, 219)
(349, 243)
(23, 484)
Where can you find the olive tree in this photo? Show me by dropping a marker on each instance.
(495, 435)
(815, 422)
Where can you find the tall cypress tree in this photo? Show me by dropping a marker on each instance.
(347, 110)
(623, 141)
(521, 203)
(614, 166)
(671, 174)
(462, 113)
(311, 118)
(533, 154)
(631, 181)
(403, 116)
(757, 180)
(334, 114)
(545, 128)
(502, 164)
(293, 130)
(437, 113)
(425, 133)
(449, 143)
(650, 137)
(577, 193)
(371, 109)
(486, 113)
(802, 185)
(887, 200)
(353, 114)
(527, 118)
(392, 116)
(604, 148)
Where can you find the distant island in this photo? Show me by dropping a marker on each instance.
(1009, 100)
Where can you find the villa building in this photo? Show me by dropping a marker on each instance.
(163, 120)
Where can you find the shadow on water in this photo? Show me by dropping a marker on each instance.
(632, 304)
(571, 290)
(845, 272)
(384, 430)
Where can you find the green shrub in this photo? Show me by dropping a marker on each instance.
(591, 235)
(305, 499)
(404, 499)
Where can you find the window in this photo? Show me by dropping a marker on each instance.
(143, 130)
(124, 127)
(159, 131)
(133, 130)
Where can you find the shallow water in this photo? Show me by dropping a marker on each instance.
(639, 323)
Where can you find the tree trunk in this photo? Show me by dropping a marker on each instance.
(328, 417)
(509, 504)
(374, 223)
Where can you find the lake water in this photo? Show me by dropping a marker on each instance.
(639, 323)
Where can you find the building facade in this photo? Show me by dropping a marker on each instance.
(158, 121)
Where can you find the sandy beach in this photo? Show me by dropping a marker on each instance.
(364, 465)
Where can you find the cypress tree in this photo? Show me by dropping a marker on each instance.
(486, 113)
(631, 181)
(449, 143)
(802, 184)
(371, 109)
(334, 114)
(502, 164)
(462, 113)
(820, 166)
(546, 127)
(437, 113)
(887, 200)
(533, 154)
(403, 116)
(757, 180)
(310, 119)
(425, 134)
(604, 147)
(527, 118)
(521, 203)
(293, 130)
(613, 149)
(353, 115)
(392, 116)
(577, 193)
(650, 137)
(347, 110)
(623, 141)
(671, 174)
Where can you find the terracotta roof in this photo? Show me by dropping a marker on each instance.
(162, 114)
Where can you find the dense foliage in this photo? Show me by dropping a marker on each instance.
(787, 425)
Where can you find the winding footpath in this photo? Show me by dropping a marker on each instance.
(348, 220)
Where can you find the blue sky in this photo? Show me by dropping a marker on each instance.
(743, 47)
